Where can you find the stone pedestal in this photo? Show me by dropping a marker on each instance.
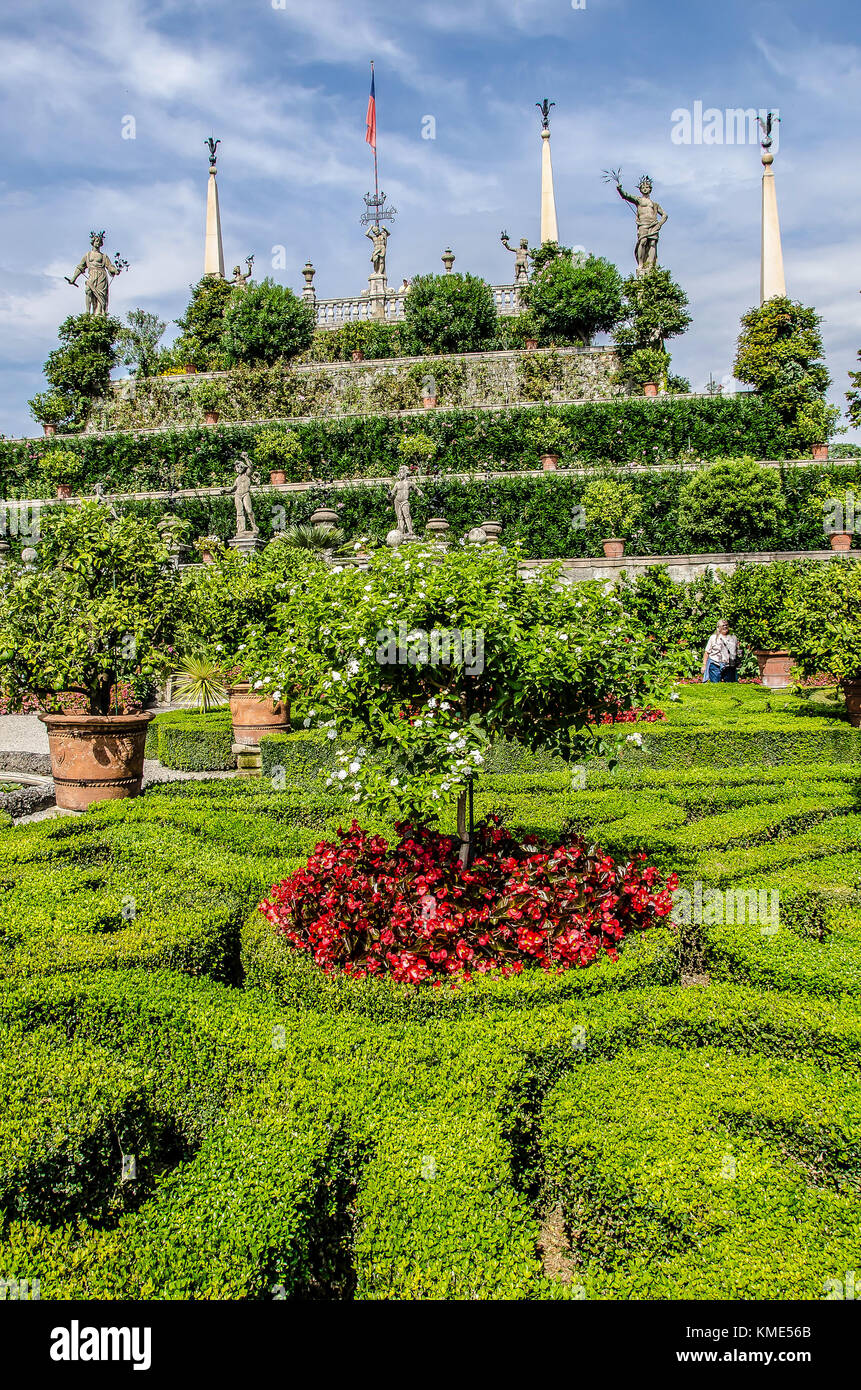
(249, 762)
(246, 542)
(376, 293)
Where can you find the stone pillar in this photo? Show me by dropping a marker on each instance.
(213, 254)
(377, 286)
(549, 231)
(772, 281)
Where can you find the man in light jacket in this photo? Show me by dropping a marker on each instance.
(720, 658)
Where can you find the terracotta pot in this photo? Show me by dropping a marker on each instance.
(774, 669)
(189, 371)
(207, 557)
(277, 476)
(429, 402)
(64, 489)
(614, 549)
(357, 356)
(852, 695)
(253, 716)
(211, 417)
(49, 429)
(532, 344)
(95, 757)
(549, 462)
(820, 451)
(841, 540)
(650, 388)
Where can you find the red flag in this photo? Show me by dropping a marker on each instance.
(371, 118)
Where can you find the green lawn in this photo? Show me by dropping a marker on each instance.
(301, 1135)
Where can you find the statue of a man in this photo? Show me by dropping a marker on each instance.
(239, 279)
(242, 496)
(400, 495)
(650, 219)
(521, 257)
(379, 236)
(100, 270)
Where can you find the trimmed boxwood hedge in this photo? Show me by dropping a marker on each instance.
(192, 742)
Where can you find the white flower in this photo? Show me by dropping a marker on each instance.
(445, 705)
(432, 702)
(336, 676)
(276, 694)
(258, 685)
(363, 641)
(355, 766)
(338, 569)
(306, 723)
(342, 776)
(331, 734)
(352, 667)
(393, 782)
(635, 738)
(452, 737)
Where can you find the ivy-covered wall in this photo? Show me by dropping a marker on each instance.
(619, 431)
(345, 388)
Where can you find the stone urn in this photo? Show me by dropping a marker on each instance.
(549, 462)
(96, 757)
(820, 451)
(64, 489)
(650, 388)
(841, 540)
(254, 715)
(492, 530)
(49, 429)
(614, 548)
(437, 528)
(775, 669)
(210, 417)
(324, 518)
(852, 695)
(277, 477)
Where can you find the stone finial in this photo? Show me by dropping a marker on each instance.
(448, 259)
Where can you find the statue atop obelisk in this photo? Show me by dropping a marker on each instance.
(772, 281)
(549, 230)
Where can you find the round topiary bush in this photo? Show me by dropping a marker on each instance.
(732, 505)
(449, 313)
(266, 323)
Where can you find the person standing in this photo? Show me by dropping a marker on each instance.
(720, 658)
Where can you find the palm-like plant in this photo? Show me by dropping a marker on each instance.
(201, 684)
(312, 537)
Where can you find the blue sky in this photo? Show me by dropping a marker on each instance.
(284, 86)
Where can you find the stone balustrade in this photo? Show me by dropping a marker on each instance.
(389, 307)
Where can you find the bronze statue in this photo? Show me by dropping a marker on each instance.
(767, 127)
(213, 146)
(650, 219)
(242, 496)
(521, 255)
(100, 270)
(379, 236)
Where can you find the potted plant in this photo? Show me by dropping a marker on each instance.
(612, 510)
(814, 422)
(551, 438)
(51, 409)
(647, 368)
(756, 604)
(416, 449)
(209, 397)
(60, 468)
(103, 603)
(208, 546)
(824, 623)
(280, 451)
(834, 507)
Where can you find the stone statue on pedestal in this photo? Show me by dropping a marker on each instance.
(378, 236)
(99, 270)
(400, 495)
(241, 490)
(521, 255)
(650, 219)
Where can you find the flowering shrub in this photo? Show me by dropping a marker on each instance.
(634, 716)
(413, 913)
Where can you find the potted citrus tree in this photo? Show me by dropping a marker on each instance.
(416, 449)
(824, 625)
(814, 423)
(756, 605)
(209, 397)
(51, 409)
(834, 507)
(279, 450)
(551, 438)
(60, 468)
(612, 510)
(100, 604)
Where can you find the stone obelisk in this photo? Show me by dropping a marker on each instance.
(213, 253)
(549, 229)
(772, 280)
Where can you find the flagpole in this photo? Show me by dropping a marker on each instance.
(376, 176)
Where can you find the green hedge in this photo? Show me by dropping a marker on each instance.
(192, 742)
(367, 446)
